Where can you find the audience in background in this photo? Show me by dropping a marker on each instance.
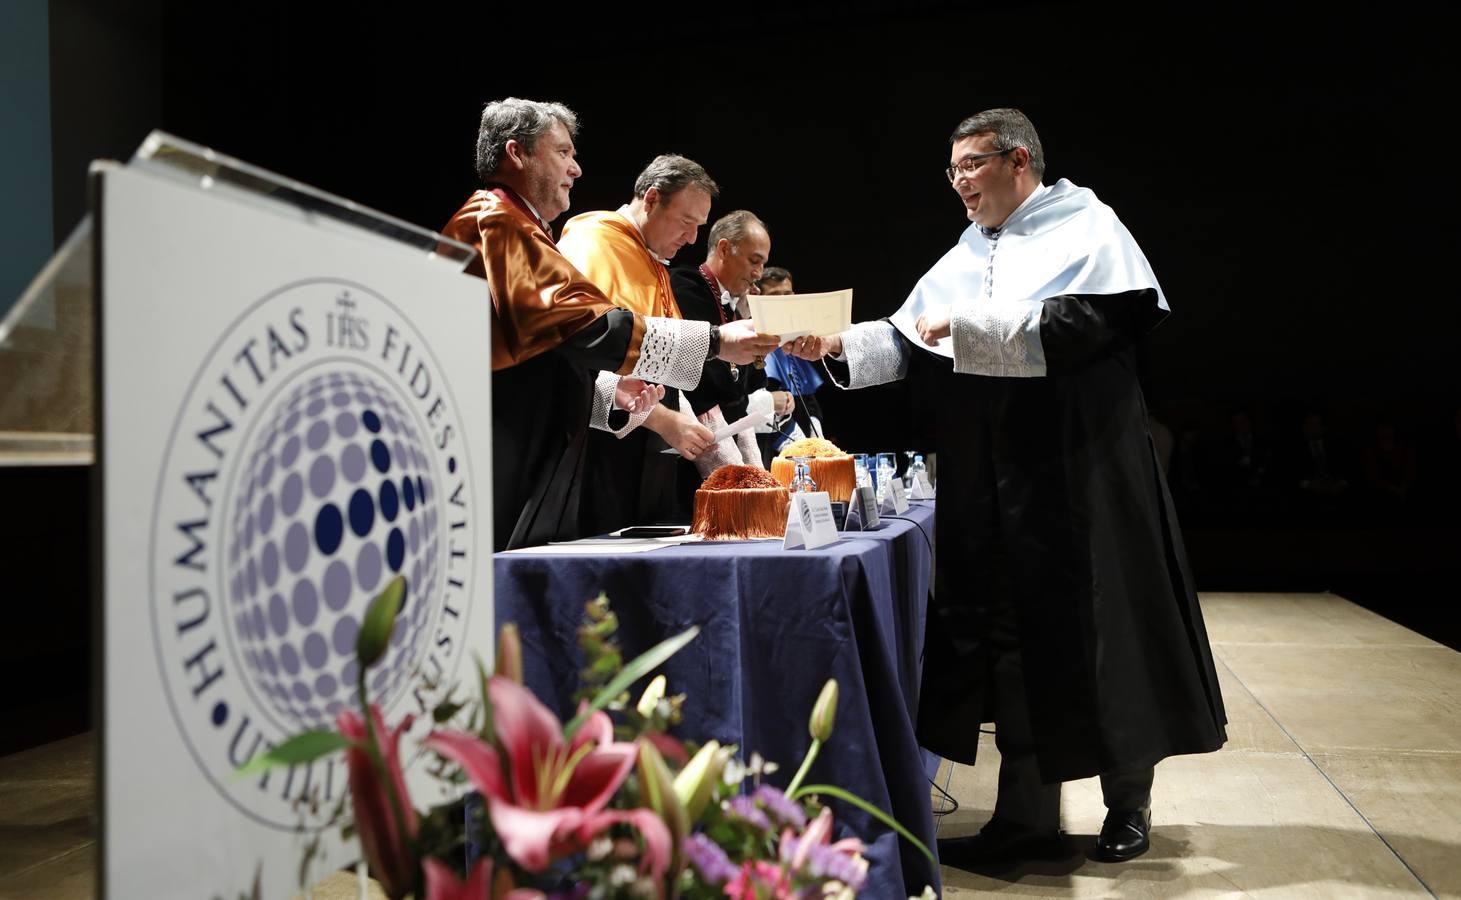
(1304, 467)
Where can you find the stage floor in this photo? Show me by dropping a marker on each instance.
(1341, 778)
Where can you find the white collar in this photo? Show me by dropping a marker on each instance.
(537, 215)
(740, 305)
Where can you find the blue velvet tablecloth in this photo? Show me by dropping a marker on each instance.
(774, 626)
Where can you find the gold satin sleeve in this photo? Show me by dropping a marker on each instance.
(602, 247)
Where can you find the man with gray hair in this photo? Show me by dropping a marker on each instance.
(1064, 610)
(715, 292)
(553, 331)
(626, 252)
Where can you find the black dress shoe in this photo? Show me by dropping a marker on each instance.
(1125, 835)
(999, 841)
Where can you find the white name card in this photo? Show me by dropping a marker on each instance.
(865, 504)
(894, 500)
(922, 490)
(809, 522)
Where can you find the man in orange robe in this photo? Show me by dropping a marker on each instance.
(553, 332)
(625, 252)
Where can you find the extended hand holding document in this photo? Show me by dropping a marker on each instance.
(740, 342)
(793, 316)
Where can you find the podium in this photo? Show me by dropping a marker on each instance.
(284, 399)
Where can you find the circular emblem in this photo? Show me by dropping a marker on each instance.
(316, 456)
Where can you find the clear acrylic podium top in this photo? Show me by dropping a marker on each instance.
(47, 341)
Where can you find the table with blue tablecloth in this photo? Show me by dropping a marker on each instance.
(774, 626)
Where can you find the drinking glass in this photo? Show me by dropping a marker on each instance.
(802, 481)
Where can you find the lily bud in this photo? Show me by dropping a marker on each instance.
(509, 662)
(373, 639)
(652, 696)
(824, 713)
(659, 791)
(696, 783)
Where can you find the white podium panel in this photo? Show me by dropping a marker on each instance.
(291, 414)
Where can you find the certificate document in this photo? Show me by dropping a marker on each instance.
(791, 316)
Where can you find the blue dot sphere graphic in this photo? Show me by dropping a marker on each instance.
(334, 500)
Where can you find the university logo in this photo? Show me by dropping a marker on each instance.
(317, 455)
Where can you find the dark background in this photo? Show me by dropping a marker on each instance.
(1286, 172)
(1283, 171)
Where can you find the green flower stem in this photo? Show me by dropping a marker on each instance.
(806, 766)
(641, 666)
(840, 794)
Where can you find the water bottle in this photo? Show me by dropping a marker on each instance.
(887, 467)
(916, 469)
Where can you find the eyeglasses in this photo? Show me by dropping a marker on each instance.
(970, 163)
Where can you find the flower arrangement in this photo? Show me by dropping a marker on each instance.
(609, 805)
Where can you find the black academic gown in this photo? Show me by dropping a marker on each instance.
(1050, 500)
(721, 384)
(629, 480)
(540, 415)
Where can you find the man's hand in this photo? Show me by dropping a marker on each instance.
(782, 403)
(814, 348)
(739, 342)
(933, 327)
(635, 395)
(680, 431)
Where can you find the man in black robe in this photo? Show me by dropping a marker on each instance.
(628, 479)
(715, 291)
(1064, 609)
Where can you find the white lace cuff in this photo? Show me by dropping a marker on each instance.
(994, 337)
(604, 386)
(673, 351)
(875, 354)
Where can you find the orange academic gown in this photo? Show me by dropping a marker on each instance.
(627, 480)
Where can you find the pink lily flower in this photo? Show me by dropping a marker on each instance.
(659, 846)
(842, 859)
(387, 851)
(669, 747)
(442, 883)
(547, 797)
(759, 880)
